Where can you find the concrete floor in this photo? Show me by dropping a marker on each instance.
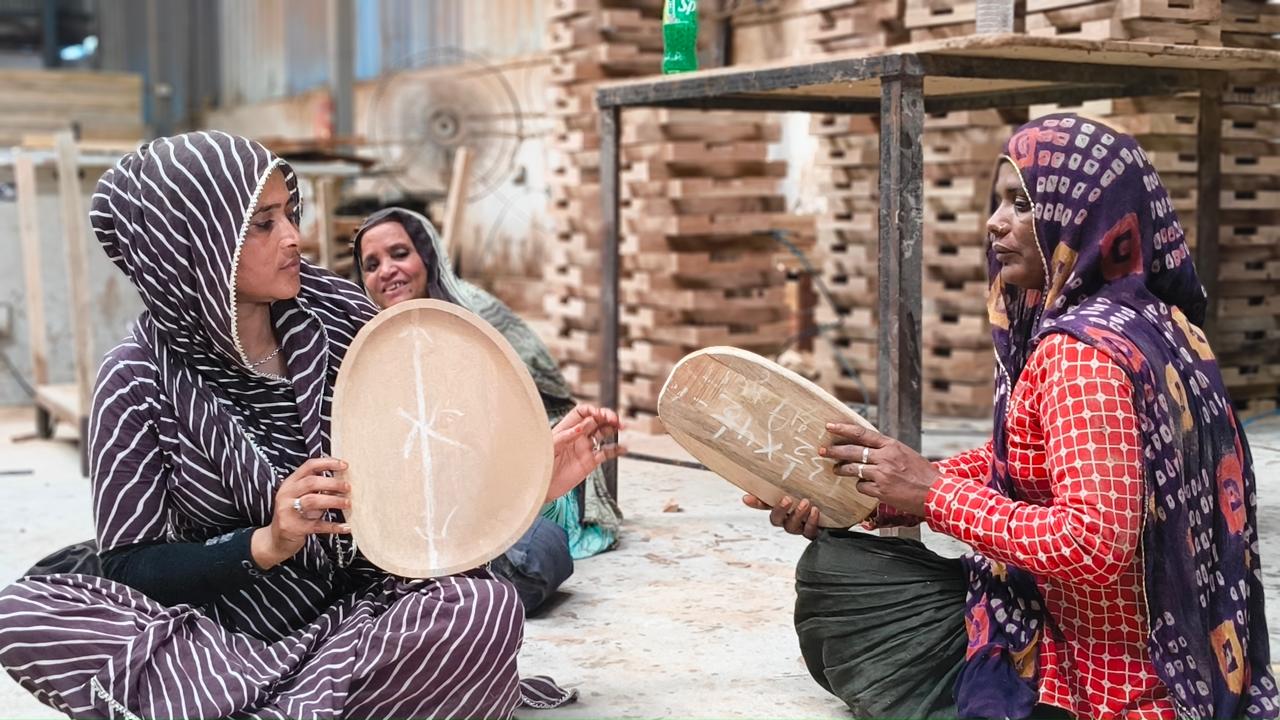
(690, 617)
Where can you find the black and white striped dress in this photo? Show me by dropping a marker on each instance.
(189, 445)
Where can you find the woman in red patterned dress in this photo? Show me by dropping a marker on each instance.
(1112, 515)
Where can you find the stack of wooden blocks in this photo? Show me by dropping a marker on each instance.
(590, 41)
(1248, 336)
(700, 198)
(1248, 322)
(1181, 22)
(1250, 24)
(848, 242)
(100, 106)
(1248, 332)
(960, 152)
(838, 25)
(940, 19)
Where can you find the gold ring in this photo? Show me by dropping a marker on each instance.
(860, 467)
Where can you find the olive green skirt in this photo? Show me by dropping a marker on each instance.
(881, 625)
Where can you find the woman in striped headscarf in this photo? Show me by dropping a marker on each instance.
(398, 257)
(231, 586)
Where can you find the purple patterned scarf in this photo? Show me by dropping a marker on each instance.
(1119, 277)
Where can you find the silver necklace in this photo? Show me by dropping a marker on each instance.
(253, 365)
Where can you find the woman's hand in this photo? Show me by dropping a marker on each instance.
(300, 507)
(578, 444)
(886, 469)
(797, 518)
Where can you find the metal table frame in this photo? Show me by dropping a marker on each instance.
(1083, 72)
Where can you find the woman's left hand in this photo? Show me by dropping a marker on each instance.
(578, 440)
(886, 469)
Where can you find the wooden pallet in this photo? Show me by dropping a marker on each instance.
(952, 398)
(645, 357)
(742, 289)
(562, 9)
(936, 13)
(959, 364)
(958, 297)
(1112, 28)
(966, 147)
(840, 125)
(1250, 24)
(642, 422)
(618, 26)
(957, 263)
(584, 378)
(601, 63)
(700, 187)
(645, 320)
(957, 331)
(852, 323)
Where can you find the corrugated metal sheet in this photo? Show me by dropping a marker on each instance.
(275, 48)
(252, 34)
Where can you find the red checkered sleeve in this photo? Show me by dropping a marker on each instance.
(970, 465)
(1088, 531)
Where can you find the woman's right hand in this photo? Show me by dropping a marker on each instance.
(796, 518)
(315, 493)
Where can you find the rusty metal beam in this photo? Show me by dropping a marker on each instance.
(610, 200)
(901, 260)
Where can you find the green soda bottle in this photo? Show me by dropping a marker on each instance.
(679, 36)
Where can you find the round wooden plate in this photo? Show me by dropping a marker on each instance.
(759, 426)
(446, 439)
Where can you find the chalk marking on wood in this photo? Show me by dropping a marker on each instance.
(422, 431)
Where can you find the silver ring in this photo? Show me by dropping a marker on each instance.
(595, 444)
(297, 505)
(866, 454)
(860, 467)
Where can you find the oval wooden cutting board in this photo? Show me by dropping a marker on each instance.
(446, 439)
(759, 426)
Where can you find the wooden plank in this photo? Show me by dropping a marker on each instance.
(1251, 17)
(74, 237)
(933, 13)
(63, 402)
(103, 105)
(29, 234)
(1186, 11)
(325, 190)
(456, 202)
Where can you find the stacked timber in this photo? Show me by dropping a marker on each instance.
(848, 240)
(1247, 338)
(700, 266)
(590, 41)
(839, 25)
(1179, 22)
(939, 19)
(960, 151)
(1250, 24)
(96, 105)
